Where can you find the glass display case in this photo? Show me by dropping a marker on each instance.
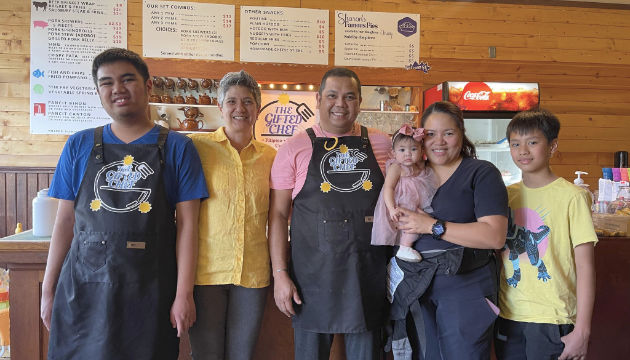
(488, 135)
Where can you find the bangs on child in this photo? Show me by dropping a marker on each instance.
(531, 120)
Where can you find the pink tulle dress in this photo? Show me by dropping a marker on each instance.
(412, 192)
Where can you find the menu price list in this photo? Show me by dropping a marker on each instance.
(66, 35)
(188, 30)
(376, 39)
(284, 35)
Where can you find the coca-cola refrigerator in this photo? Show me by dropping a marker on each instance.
(488, 107)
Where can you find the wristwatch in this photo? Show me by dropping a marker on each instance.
(438, 229)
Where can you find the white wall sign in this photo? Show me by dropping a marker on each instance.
(284, 35)
(284, 114)
(65, 38)
(376, 39)
(187, 30)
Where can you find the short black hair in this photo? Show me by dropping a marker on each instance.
(339, 72)
(118, 54)
(530, 120)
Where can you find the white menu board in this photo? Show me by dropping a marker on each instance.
(187, 30)
(376, 39)
(66, 35)
(284, 35)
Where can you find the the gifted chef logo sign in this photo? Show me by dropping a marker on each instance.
(284, 114)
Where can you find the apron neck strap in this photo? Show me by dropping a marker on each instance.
(365, 140)
(311, 134)
(161, 141)
(97, 149)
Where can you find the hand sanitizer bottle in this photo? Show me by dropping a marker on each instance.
(580, 182)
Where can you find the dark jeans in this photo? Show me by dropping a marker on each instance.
(228, 321)
(457, 317)
(516, 340)
(316, 346)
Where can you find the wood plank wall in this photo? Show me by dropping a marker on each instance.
(18, 188)
(580, 55)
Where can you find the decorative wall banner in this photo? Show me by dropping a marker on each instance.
(283, 114)
(65, 38)
(187, 30)
(376, 39)
(284, 35)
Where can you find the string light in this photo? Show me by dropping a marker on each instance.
(271, 86)
(298, 87)
(285, 86)
(311, 87)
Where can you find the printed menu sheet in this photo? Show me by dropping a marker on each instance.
(284, 35)
(376, 39)
(66, 35)
(187, 30)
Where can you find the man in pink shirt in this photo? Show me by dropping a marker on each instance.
(329, 178)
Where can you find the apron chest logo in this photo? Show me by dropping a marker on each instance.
(341, 171)
(117, 187)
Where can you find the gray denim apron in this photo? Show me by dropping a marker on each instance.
(339, 275)
(118, 280)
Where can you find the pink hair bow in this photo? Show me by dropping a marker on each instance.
(416, 134)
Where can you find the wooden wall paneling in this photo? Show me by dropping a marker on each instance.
(18, 188)
(3, 204)
(21, 202)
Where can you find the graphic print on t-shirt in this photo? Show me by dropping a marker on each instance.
(527, 238)
(340, 170)
(116, 186)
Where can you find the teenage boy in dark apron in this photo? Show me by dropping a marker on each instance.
(124, 289)
(335, 280)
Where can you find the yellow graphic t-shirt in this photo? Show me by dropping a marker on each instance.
(538, 279)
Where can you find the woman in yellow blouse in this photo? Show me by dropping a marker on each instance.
(233, 270)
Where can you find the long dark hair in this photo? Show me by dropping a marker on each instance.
(448, 108)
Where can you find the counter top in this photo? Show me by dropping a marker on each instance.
(24, 241)
(24, 248)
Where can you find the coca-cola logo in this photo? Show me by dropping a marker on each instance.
(475, 96)
(481, 95)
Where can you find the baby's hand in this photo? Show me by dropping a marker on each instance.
(393, 214)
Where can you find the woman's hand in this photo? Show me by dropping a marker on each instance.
(285, 292)
(414, 222)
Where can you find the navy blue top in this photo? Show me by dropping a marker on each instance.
(183, 175)
(474, 190)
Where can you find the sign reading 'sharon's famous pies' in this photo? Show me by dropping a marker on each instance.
(376, 39)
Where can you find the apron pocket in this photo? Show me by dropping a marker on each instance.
(93, 253)
(335, 235)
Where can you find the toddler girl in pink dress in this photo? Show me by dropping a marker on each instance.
(408, 184)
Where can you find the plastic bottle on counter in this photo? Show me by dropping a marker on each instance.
(580, 182)
(44, 213)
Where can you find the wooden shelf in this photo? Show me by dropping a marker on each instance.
(390, 112)
(181, 105)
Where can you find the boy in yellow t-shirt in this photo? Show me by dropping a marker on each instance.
(547, 284)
